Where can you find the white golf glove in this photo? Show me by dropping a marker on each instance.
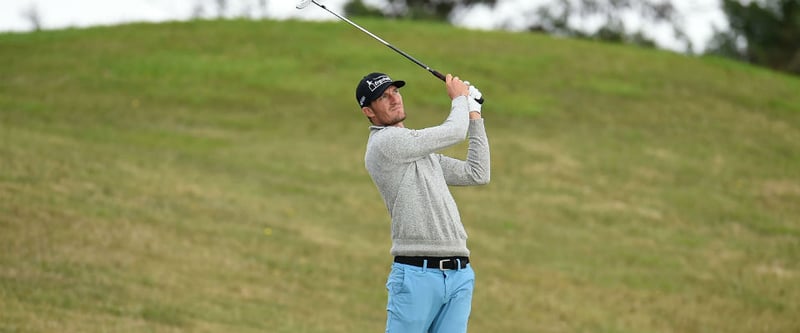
(474, 96)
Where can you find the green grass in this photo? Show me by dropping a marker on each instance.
(208, 177)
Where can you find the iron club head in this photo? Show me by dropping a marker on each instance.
(302, 4)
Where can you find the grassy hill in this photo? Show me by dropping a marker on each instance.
(208, 177)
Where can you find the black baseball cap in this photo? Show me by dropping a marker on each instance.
(372, 86)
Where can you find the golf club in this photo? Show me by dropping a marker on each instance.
(304, 3)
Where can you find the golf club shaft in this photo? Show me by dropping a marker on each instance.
(409, 57)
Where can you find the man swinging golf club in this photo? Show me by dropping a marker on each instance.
(431, 281)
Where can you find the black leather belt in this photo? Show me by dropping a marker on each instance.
(443, 263)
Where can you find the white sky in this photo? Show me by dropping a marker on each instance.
(699, 15)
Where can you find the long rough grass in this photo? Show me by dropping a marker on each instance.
(208, 177)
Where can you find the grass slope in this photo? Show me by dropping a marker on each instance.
(208, 177)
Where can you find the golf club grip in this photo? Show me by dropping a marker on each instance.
(443, 78)
(437, 74)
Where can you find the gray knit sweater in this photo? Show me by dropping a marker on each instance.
(412, 179)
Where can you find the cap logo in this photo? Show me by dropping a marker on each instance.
(379, 81)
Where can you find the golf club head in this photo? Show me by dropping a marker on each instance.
(303, 4)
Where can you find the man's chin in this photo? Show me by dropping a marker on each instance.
(397, 121)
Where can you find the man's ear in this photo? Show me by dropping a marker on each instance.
(368, 112)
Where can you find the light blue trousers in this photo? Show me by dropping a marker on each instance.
(428, 300)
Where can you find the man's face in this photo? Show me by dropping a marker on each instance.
(386, 110)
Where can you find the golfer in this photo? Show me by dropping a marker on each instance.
(431, 281)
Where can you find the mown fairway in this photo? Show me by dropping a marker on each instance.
(208, 177)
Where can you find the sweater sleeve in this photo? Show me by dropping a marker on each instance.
(409, 145)
(476, 170)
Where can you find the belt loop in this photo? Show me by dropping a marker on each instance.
(458, 264)
(424, 265)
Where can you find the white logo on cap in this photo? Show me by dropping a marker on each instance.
(379, 81)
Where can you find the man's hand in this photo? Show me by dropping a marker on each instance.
(474, 96)
(456, 87)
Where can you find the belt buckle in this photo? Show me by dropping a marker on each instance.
(441, 264)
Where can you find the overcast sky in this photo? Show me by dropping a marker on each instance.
(699, 15)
